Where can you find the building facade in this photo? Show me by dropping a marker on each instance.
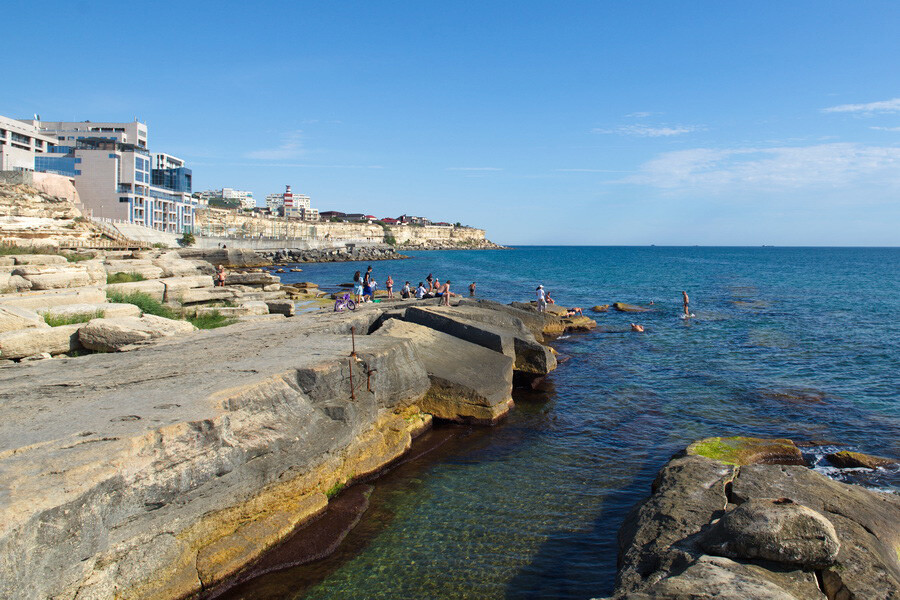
(245, 198)
(20, 144)
(117, 177)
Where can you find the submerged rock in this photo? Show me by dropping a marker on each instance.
(623, 307)
(846, 459)
(600, 308)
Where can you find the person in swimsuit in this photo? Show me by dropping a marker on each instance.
(687, 310)
(472, 289)
(220, 276)
(389, 286)
(444, 293)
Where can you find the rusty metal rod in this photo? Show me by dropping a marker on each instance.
(369, 379)
(353, 340)
(352, 391)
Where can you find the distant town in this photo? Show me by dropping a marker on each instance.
(118, 178)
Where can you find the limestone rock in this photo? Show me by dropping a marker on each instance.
(474, 325)
(110, 335)
(468, 383)
(846, 459)
(746, 450)
(156, 473)
(36, 340)
(623, 307)
(246, 309)
(13, 318)
(40, 259)
(48, 277)
(109, 310)
(144, 267)
(600, 308)
(40, 299)
(282, 307)
(774, 529)
(254, 279)
(13, 283)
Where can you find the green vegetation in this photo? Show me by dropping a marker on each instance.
(123, 277)
(58, 320)
(389, 238)
(335, 490)
(210, 320)
(187, 239)
(7, 250)
(147, 303)
(740, 450)
(160, 245)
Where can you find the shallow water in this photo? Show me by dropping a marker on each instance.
(788, 342)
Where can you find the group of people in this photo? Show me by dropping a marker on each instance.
(365, 285)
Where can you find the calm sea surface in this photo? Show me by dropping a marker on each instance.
(789, 342)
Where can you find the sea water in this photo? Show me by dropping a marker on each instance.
(785, 342)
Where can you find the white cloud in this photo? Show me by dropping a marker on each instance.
(784, 168)
(883, 106)
(291, 147)
(639, 115)
(647, 131)
(886, 128)
(589, 171)
(473, 169)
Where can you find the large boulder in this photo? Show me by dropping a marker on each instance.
(474, 325)
(13, 283)
(110, 335)
(49, 277)
(468, 382)
(37, 340)
(247, 309)
(774, 529)
(230, 258)
(282, 307)
(631, 308)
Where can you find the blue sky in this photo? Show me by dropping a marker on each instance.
(603, 122)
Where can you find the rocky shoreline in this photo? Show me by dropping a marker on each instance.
(739, 518)
(174, 459)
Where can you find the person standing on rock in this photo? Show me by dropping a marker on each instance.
(541, 299)
(687, 310)
(389, 286)
(358, 286)
(220, 276)
(367, 284)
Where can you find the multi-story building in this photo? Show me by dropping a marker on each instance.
(275, 202)
(117, 177)
(309, 214)
(20, 143)
(245, 198)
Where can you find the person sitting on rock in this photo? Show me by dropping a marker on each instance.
(551, 300)
(405, 292)
(421, 291)
(638, 328)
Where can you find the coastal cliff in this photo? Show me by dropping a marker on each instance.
(165, 468)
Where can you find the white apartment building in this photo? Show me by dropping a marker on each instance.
(117, 177)
(274, 202)
(246, 198)
(20, 143)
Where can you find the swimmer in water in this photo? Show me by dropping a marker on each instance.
(687, 310)
(638, 328)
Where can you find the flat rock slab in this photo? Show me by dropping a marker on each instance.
(44, 298)
(469, 383)
(108, 310)
(111, 335)
(152, 473)
(29, 342)
(474, 325)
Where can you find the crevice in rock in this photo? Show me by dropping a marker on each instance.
(727, 488)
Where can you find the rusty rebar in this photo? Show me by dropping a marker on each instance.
(369, 379)
(353, 340)
(352, 391)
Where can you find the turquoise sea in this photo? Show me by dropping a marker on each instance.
(787, 342)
